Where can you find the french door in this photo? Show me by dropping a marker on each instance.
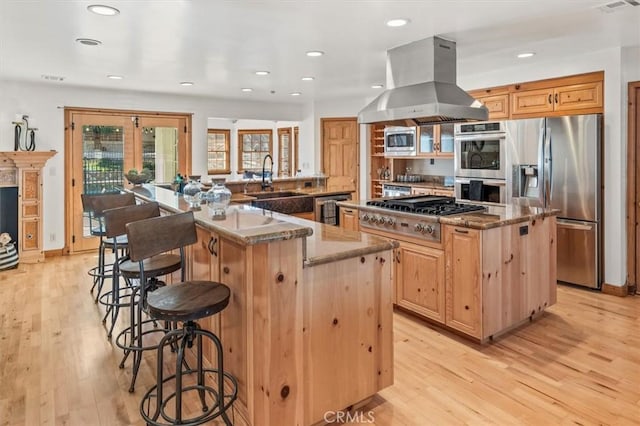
(102, 146)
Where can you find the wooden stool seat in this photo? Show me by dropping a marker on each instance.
(155, 266)
(188, 301)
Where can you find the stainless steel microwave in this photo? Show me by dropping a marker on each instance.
(400, 141)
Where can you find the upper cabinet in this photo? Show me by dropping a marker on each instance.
(577, 94)
(436, 141)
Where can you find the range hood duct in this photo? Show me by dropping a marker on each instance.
(421, 82)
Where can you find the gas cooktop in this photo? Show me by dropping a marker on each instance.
(426, 204)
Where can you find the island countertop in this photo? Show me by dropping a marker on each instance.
(251, 225)
(495, 215)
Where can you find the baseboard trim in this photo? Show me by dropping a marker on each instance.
(615, 290)
(53, 253)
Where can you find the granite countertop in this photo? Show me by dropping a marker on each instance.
(250, 225)
(495, 215)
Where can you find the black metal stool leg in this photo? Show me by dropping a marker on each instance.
(201, 391)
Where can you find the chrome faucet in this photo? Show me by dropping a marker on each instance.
(268, 184)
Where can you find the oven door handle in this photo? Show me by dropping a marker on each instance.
(484, 182)
(480, 136)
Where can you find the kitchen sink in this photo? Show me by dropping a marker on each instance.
(287, 202)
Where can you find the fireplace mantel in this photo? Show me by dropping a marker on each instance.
(24, 170)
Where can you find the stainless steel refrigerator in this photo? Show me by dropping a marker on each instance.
(557, 163)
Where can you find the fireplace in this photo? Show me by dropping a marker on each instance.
(9, 211)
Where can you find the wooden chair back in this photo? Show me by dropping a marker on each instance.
(102, 202)
(157, 235)
(115, 220)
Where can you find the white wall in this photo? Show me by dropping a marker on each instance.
(44, 104)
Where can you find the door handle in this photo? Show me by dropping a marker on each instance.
(550, 97)
(212, 243)
(556, 98)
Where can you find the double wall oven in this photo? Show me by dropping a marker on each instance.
(483, 152)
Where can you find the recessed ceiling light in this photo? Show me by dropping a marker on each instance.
(315, 53)
(101, 9)
(295, 94)
(186, 83)
(526, 54)
(247, 89)
(308, 78)
(399, 22)
(115, 77)
(88, 41)
(377, 86)
(262, 73)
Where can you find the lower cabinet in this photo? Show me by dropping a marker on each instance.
(462, 248)
(420, 280)
(349, 219)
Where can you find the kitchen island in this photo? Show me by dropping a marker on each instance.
(308, 329)
(479, 273)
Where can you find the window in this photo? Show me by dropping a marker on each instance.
(254, 145)
(285, 148)
(218, 151)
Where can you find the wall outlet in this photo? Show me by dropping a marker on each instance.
(52, 236)
(432, 161)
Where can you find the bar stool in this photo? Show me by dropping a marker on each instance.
(136, 338)
(184, 302)
(96, 204)
(115, 221)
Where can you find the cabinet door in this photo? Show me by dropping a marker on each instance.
(443, 192)
(578, 96)
(532, 102)
(427, 141)
(444, 145)
(349, 219)
(420, 280)
(498, 106)
(463, 280)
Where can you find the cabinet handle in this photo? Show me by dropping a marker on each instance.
(549, 97)
(348, 211)
(212, 244)
(461, 231)
(556, 98)
(29, 236)
(398, 257)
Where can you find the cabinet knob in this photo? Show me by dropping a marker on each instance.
(225, 269)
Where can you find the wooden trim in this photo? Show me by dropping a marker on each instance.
(227, 143)
(296, 149)
(285, 131)
(633, 143)
(53, 253)
(101, 111)
(561, 81)
(615, 290)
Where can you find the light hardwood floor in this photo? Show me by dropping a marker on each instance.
(577, 364)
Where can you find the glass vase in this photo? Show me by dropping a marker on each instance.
(218, 199)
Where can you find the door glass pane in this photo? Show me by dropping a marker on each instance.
(102, 163)
(160, 152)
(446, 137)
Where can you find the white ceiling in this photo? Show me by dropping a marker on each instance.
(219, 45)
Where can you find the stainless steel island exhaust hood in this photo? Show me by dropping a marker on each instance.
(421, 82)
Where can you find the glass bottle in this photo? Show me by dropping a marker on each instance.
(191, 194)
(218, 199)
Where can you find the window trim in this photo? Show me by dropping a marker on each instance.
(227, 169)
(285, 131)
(241, 132)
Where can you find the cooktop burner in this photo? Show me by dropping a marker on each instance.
(426, 204)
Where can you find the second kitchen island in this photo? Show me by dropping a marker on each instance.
(308, 330)
(479, 273)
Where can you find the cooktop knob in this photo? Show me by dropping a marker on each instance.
(391, 221)
(373, 219)
(418, 227)
(365, 217)
(429, 229)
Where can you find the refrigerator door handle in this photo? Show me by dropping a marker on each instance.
(547, 165)
(574, 226)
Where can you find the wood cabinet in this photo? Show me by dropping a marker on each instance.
(419, 273)
(576, 94)
(436, 141)
(378, 162)
(463, 280)
(349, 219)
(565, 99)
(416, 190)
